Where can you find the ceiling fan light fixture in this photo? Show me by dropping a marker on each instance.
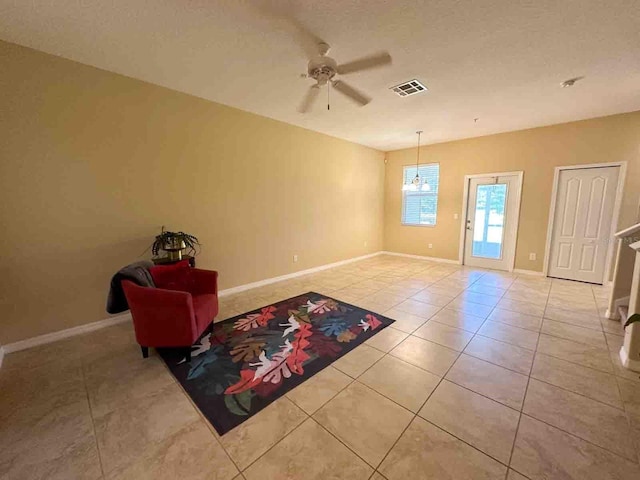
(323, 70)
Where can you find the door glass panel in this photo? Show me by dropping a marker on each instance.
(488, 227)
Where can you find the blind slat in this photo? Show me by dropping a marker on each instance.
(421, 207)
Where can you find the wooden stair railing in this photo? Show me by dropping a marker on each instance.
(630, 351)
(623, 270)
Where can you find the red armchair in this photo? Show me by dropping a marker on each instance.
(174, 316)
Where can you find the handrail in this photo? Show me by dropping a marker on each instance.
(628, 231)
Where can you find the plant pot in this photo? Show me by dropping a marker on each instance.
(174, 249)
(174, 255)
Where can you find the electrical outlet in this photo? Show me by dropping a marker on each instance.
(295, 258)
(532, 256)
(366, 244)
(431, 245)
(455, 216)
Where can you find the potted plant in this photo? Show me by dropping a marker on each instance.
(175, 243)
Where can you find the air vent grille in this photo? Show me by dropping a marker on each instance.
(411, 87)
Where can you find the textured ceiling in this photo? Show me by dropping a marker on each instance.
(501, 61)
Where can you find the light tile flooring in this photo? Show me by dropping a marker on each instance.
(484, 375)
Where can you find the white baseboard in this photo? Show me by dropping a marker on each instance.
(267, 281)
(422, 257)
(628, 362)
(528, 272)
(617, 303)
(90, 327)
(62, 334)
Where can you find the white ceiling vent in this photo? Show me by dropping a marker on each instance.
(409, 88)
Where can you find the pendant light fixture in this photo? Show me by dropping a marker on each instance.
(415, 183)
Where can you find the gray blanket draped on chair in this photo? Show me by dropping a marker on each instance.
(138, 273)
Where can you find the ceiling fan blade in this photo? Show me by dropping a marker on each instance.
(309, 99)
(351, 92)
(283, 11)
(365, 63)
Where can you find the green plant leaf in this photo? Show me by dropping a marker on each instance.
(244, 399)
(632, 319)
(235, 403)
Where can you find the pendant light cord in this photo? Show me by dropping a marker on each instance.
(419, 132)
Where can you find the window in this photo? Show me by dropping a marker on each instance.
(420, 207)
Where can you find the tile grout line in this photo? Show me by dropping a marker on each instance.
(459, 353)
(624, 404)
(295, 428)
(524, 398)
(279, 441)
(93, 423)
(422, 406)
(286, 435)
(353, 380)
(393, 401)
(489, 398)
(216, 436)
(411, 334)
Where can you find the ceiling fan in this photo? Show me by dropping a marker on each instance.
(323, 70)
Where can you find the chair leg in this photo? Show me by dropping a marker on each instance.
(145, 351)
(187, 354)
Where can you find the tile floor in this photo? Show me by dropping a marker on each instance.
(484, 375)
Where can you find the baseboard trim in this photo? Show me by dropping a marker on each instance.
(524, 271)
(422, 257)
(611, 315)
(627, 362)
(267, 281)
(62, 334)
(108, 322)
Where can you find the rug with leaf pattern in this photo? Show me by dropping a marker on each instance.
(251, 360)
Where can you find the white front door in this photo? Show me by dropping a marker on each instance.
(582, 223)
(491, 221)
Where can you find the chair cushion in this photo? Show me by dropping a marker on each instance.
(205, 307)
(172, 277)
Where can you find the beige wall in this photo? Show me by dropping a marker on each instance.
(93, 163)
(536, 152)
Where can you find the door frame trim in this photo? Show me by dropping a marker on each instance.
(615, 217)
(465, 201)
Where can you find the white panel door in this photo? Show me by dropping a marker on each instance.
(582, 223)
(491, 219)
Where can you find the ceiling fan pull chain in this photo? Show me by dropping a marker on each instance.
(328, 99)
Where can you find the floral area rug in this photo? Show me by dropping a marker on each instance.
(251, 360)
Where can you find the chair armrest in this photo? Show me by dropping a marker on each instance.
(204, 281)
(161, 317)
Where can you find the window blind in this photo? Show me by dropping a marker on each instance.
(420, 207)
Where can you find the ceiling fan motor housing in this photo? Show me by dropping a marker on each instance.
(322, 69)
